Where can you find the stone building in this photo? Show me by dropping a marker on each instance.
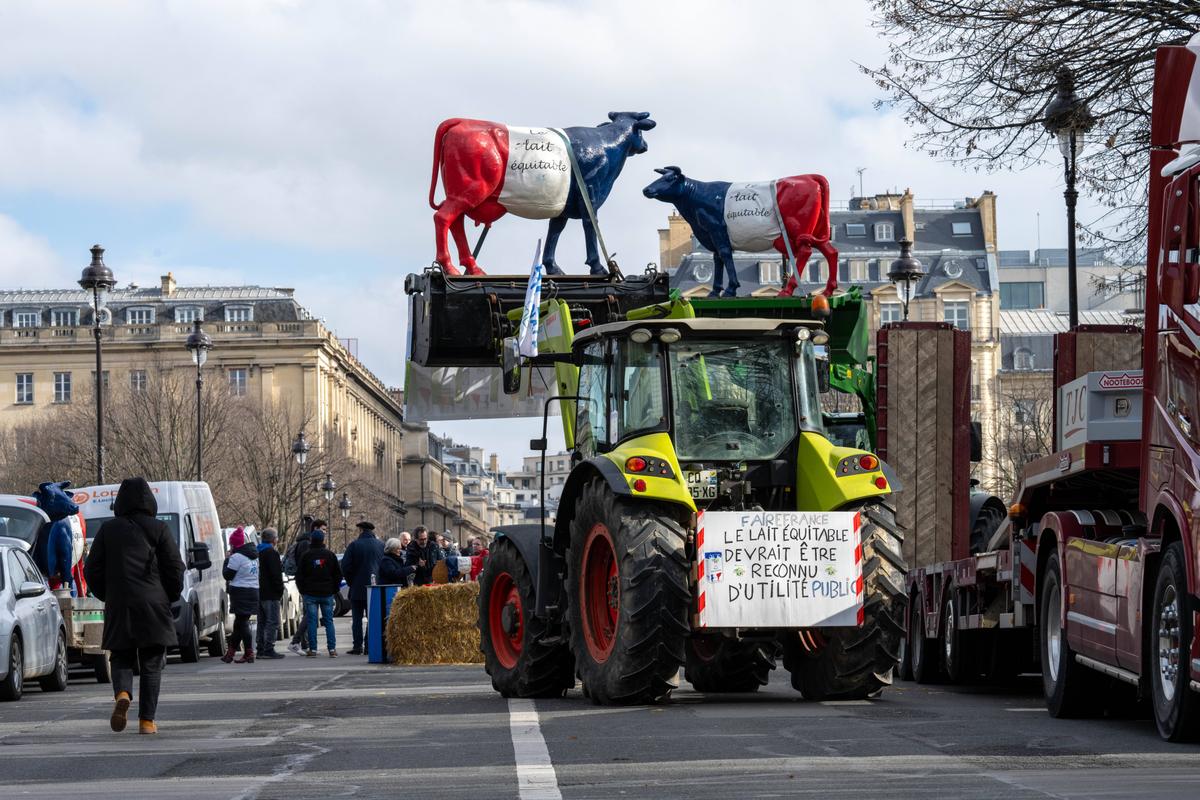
(267, 348)
(954, 240)
(1038, 280)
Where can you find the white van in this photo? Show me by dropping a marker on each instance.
(189, 512)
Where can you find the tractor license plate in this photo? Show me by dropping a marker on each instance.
(702, 483)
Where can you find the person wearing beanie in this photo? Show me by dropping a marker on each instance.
(241, 571)
(319, 577)
(360, 566)
(270, 594)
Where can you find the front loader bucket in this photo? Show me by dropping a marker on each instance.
(460, 321)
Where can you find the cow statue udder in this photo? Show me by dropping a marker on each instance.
(490, 169)
(753, 217)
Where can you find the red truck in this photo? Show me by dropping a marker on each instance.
(1095, 573)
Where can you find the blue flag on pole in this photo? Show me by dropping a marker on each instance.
(527, 334)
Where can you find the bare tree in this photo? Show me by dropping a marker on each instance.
(973, 77)
(1024, 431)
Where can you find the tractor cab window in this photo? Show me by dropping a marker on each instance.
(638, 389)
(732, 400)
(591, 416)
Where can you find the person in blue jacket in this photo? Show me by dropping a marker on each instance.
(360, 567)
(53, 551)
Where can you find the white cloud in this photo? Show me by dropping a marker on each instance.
(28, 260)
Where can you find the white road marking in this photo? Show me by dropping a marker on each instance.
(1039, 708)
(536, 779)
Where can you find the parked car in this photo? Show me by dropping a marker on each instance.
(33, 638)
(188, 509)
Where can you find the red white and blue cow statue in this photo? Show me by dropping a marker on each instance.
(490, 169)
(753, 217)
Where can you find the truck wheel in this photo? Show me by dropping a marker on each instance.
(855, 663)
(56, 681)
(716, 664)
(217, 643)
(102, 667)
(516, 652)
(14, 683)
(1067, 685)
(904, 670)
(922, 652)
(628, 597)
(1175, 704)
(189, 651)
(957, 661)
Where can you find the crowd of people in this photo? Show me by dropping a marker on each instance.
(134, 566)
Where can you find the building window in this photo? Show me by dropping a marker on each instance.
(856, 229)
(1024, 412)
(64, 317)
(814, 271)
(960, 228)
(858, 271)
(189, 314)
(27, 319)
(139, 316)
(873, 270)
(137, 380)
(62, 387)
(24, 388)
(768, 272)
(843, 271)
(957, 313)
(890, 312)
(237, 382)
(1023, 294)
(1023, 359)
(885, 232)
(239, 314)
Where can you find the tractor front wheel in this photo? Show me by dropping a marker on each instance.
(719, 664)
(519, 655)
(628, 597)
(854, 663)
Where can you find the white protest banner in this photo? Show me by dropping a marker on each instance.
(527, 333)
(779, 569)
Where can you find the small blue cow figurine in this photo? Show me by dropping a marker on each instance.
(790, 215)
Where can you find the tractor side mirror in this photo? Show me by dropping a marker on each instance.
(976, 441)
(199, 557)
(510, 364)
(822, 375)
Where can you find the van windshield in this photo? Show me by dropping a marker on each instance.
(95, 523)
(20, 522)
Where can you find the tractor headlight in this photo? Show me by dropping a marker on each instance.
(820, 337)
(802, 334)
(640, 336)
(669, 336)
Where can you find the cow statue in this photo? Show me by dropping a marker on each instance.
(489, 169)
(753, 217)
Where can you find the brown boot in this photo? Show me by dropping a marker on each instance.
(147, 726)
(229, 654)
(248, 658)
(120, 712)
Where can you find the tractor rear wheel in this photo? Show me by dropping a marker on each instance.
(628, 597)
(854, 663)
(719, 664)
(517, 652)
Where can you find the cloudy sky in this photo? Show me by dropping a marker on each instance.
(288, 143)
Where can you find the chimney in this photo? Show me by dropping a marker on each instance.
(906, 210)
(168, 285)
(494, 464)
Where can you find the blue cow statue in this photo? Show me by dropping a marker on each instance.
(753, 217)
(490, 169)
(53, 552)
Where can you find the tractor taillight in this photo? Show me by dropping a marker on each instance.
(881, 482)
(868, 462)
(635, 464)
(639, 485)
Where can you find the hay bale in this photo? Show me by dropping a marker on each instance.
(435, 625)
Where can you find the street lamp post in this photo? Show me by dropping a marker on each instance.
(1068, 119)
(198, 344)
(300, 451)
(905, 273)
(98, 279)
(344, 506)
(328, 487)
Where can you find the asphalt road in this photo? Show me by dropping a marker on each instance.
(320, 728)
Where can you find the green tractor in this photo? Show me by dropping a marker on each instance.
(671, 410)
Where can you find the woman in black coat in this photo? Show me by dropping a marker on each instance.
(134, 566)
